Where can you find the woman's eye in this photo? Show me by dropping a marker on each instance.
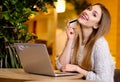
(89, 8)
(94, 15)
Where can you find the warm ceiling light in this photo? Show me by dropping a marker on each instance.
(60, 6)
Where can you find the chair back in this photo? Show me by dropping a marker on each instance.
(117, 75)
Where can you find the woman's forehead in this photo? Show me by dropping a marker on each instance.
(97, 8)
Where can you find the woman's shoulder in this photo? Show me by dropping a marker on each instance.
(101, 42)
(101, 45)
(101, 50)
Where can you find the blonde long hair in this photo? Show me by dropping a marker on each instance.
(104, 26)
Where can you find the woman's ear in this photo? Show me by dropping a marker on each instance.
(95, 27)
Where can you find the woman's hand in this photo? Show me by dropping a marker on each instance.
(73, 68)
(70, 31)
(69, 68)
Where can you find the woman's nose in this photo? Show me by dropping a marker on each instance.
(89, 12)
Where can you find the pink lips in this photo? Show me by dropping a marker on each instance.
(84, 16)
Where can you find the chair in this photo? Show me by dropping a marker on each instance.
(117, 75)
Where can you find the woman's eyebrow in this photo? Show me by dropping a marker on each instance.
(90, 7)
(96, 12)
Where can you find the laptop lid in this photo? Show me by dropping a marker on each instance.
(35, 58)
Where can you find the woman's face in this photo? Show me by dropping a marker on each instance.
(90, 16)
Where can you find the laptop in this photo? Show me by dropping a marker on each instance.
(35, 59)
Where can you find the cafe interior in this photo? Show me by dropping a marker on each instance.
(50, 27)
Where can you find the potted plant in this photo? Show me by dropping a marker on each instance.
(13, 14)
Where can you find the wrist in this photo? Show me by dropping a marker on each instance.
(77, 68)
(70, 43)
(70, 40)
(82, 71)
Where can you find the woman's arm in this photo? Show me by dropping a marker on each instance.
(65, 56)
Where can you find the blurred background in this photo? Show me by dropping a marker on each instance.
(50, 26)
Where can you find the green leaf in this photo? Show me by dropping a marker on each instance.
(5, 14)
(6, 3)
(6, 61)
(12, 22)
(2, 55)
(1, 36)
(11, 56)
(13, 2)
(23, 26)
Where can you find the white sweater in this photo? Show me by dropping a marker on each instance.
(102, 62)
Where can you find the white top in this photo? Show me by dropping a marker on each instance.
(102, 62)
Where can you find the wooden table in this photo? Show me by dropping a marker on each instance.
(18, 75)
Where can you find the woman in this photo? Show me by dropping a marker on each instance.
(86, 51)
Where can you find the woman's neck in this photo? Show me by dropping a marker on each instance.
(86, 32)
